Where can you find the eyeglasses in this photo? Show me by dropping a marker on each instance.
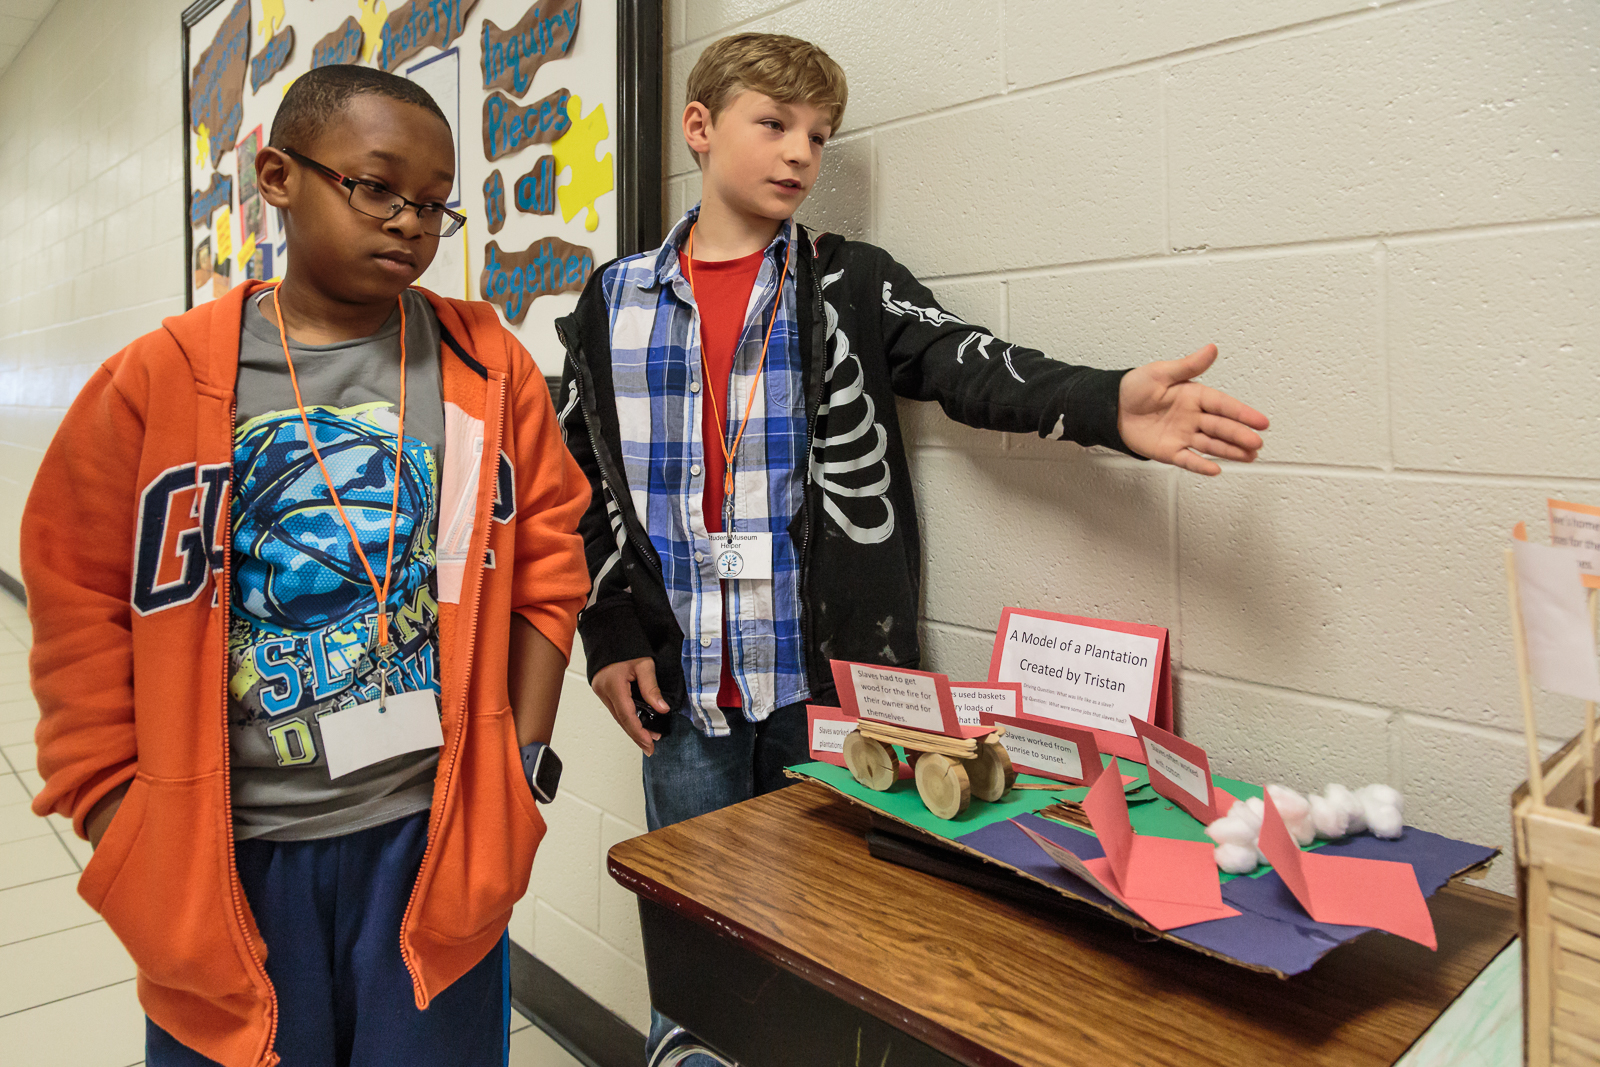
(376, 201)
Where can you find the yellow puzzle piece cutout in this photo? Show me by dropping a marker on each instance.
(373, 13)
(202, 145)
(590, 177)
(271, 18)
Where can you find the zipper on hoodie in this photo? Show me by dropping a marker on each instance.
(444, 777)
(225, 599)
(813, 406)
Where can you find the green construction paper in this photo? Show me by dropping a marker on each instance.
(1159, 819)
(901, 801)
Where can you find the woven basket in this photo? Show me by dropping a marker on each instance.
(1558, 889)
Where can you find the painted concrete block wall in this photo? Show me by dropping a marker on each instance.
(91, 252)
(1385, 214)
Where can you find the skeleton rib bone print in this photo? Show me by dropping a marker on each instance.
(849, 416)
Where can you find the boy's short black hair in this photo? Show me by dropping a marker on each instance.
(318, 95)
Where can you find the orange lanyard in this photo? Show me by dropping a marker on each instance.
(711, 391)
(384, 650)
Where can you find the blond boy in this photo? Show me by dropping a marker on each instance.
(731, 397)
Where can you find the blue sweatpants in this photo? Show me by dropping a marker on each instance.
(330, 912)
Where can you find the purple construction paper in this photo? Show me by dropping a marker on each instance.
(1272, 929)
(1003, 842)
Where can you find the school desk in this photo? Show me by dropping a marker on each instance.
(771, 933)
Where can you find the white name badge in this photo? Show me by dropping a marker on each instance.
(363, 735)
(742, 555)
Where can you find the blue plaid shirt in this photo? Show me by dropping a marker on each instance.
(657, 377)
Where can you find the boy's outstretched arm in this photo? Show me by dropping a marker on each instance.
(1156, 411)
(1164, 414)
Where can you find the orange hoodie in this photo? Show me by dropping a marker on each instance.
(124, 555)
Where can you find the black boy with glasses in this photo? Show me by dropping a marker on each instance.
(296, 745)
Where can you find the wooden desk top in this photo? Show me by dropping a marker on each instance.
(994, 983)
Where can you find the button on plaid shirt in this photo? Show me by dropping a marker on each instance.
(659, 387)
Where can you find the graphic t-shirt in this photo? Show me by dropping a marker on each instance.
(303, 610)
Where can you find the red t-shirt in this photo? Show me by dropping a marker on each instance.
(722, 293)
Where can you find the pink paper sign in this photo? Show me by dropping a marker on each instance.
(1095, 674)
(1180, 772)
(973, 700)
(917, 700)
(1049, 749)
(827, 729)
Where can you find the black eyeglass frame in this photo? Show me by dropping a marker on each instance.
(457, 219)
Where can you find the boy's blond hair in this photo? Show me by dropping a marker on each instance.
(789, 70)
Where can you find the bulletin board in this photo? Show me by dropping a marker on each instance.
(555, 108)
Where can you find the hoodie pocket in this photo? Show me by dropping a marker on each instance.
(489, 836)
(112, 852)
(161, 881)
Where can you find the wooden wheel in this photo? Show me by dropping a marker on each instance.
(871, 763)
(942, 784)
(990, 771)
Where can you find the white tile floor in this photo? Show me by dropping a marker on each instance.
(66, 986)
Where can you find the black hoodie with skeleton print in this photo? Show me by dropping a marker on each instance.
(868, 332)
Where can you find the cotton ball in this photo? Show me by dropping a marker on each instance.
(1236, 859)
(1232, 831)
(1382, 804)
(1330, 820)
(1355, 811)
(1296, 813)
(1378, 793)
(1252, 811)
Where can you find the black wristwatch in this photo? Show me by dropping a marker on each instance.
(543, 768)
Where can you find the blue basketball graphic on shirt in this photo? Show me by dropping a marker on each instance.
(297, 568)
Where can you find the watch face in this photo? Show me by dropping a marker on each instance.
(547, 776)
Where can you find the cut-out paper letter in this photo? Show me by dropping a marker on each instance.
(494, 201)
(343, 45)
(271, 59)
(419, 24)
(1555, 620)
(216, 88)
(510, 127)
(1346, 890)
(514, 280)
(512, 57)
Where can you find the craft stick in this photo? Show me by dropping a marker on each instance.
(1590, 794)
(1530, 729)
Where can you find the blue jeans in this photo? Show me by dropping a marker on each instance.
(691, 774)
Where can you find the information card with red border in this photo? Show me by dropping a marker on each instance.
(1095, 674)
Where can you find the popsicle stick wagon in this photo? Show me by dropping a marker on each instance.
(949, 771)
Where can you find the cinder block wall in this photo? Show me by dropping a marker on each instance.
(1386, 215)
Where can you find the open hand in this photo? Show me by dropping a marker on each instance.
(1162, 413)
